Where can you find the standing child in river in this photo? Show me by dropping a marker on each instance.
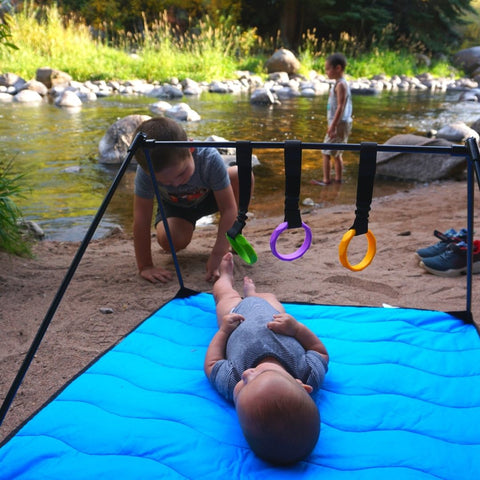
(339, 115)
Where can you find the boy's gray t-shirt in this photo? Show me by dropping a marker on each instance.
(253, 341)
(210, 175)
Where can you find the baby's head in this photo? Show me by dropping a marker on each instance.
(278, 417)
(162, 129)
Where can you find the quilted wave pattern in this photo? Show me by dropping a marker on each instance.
(401, 400)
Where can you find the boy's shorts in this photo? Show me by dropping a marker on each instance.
(343, 131)
(193, 213)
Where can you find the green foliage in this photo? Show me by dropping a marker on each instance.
(5, 34)
(207, 50)
(11, 239)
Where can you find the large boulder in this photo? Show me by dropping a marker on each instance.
(283, 60)
(114, 144)
(422, 167)
(467, 59)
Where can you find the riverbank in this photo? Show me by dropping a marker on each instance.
(106, 281)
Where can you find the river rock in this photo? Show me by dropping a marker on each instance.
(283, 60)
(68, 99)
(191, 87)
(159, 108)
(51, 77)
(13, 82)
(229, 154)
(467, 59)
(114, 144)
(421, 167)
(28, 96)
(5, 97)
(457, 132)
(182, 113)
(263, 96)
(36, 86)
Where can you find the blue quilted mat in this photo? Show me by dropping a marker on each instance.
(401, 400)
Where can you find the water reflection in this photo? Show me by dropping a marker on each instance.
(45, 142)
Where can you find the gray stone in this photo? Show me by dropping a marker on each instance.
(422, 167)
(51, 77)
(283, 60)
(114, 144)
(28, 96)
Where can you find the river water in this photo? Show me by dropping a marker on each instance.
(57, 149)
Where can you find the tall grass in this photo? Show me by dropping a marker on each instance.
(206, 52)
(11, 186)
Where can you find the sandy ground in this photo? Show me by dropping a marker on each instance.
(106, 279)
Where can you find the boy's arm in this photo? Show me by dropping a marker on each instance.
(228, 213)
(285, 324)
(218, 344)
(341, 93)
(142, 220)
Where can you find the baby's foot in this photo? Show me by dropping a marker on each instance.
(226, 267)
(248, 287)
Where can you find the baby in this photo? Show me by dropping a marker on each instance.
(267, 363)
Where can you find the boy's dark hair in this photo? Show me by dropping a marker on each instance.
(336, 59)
(162, 129)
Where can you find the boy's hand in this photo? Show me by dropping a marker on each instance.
(230, 322)
(284, 324)
(156, 274)
(213, 264)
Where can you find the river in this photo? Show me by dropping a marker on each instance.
(57, 149)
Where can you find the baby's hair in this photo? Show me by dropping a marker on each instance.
(162, 129)
(336, 59)
(282, 429)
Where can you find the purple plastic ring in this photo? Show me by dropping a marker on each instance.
(297, 254)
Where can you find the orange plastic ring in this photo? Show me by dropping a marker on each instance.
(367, 260)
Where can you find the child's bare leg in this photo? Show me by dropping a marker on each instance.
(338, 168)
(326, 169)
(249, 290)
(226, 297)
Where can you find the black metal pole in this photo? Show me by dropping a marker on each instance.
(66, 281)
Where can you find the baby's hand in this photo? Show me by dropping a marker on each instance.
(284, 324)
(230, 322)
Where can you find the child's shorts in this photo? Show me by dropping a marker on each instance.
(343, 131)
(193, 213)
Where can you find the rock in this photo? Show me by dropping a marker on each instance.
(5, 97)
(32, 229)
(457, 132)
(12, 81)
(166, 91)
(114, 144)
(191, 87)
(467, 59)
(68, 99)
(183, 113)
(28, 96)
(36, 86)
(159, 108)
(283, 60)
(263, 96)
(421, 167)
(51, 77)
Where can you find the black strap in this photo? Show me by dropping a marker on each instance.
(366, 179)
(293, 175)
(244, 164)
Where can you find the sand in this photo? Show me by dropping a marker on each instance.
(106, 281)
